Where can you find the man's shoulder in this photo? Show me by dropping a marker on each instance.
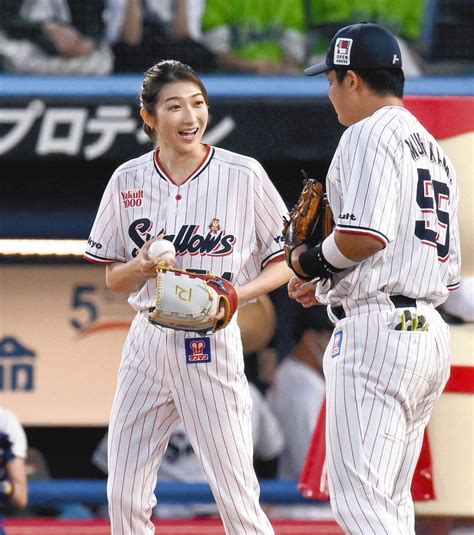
(385, 120)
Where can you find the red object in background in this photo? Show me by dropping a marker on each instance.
(313, 480)
(461, 380)
(442, 116)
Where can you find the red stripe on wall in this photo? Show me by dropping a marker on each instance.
(443, 116)
(461, 380)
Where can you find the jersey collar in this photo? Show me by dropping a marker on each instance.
(199, 169)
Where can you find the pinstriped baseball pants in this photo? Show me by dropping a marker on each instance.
(156, 389)
(381, 388)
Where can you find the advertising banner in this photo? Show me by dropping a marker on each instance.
(61, 339)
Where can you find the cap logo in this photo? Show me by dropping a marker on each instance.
(342, 51)
(395, 59)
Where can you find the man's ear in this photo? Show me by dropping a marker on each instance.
(148, 118)
(352, 79)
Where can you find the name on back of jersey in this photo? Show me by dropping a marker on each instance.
(418, 150)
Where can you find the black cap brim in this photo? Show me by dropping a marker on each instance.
(319, 68)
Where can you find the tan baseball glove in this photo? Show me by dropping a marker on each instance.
(190, 302)
(310, 221)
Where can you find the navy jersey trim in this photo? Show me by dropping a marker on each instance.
(454, 286)
(98, 259)
(272, 257)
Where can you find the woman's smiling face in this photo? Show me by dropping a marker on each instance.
(181, 116)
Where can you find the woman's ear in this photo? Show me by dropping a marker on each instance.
(148, 118)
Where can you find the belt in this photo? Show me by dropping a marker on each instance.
(399, 301)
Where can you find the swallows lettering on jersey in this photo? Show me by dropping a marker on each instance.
(186, 241)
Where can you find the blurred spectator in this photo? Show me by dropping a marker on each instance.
(324, 18)
(37, 469)
(460, 303)
(170, 29)
(13, 481)
(54, 37)
(404, 18)
(298, 390)
(258, 36)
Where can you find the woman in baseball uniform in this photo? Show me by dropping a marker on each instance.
(224, 216)
(393, 258)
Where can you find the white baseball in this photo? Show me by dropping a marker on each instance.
(162, 249)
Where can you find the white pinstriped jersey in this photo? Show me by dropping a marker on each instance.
(390, 179)
(226, 218)
(10, 425)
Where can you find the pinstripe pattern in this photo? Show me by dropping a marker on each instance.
(381, 383)
(379, 398)
(372, 188)
(156, 388)
(232, 188)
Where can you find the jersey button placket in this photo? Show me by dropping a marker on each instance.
(177, 198)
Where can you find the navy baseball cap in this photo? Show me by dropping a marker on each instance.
(360, 46)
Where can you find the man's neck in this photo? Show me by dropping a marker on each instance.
(375, 103)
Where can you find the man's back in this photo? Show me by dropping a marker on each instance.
(390, 179)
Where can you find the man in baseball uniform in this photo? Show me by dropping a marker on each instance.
(392, 258)
(223, 215)
(13, 480)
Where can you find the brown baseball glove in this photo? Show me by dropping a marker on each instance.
(190, 302)
(310, 221)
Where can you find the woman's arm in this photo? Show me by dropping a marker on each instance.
(274, 275)
(126, 277)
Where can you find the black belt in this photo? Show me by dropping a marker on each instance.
(399, 301)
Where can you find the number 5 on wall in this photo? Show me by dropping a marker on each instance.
(81, 300)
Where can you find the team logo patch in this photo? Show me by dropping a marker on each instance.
(336, 346)
(342, 51)
(215, 226)
(197, 350)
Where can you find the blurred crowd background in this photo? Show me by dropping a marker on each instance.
(246, 36)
